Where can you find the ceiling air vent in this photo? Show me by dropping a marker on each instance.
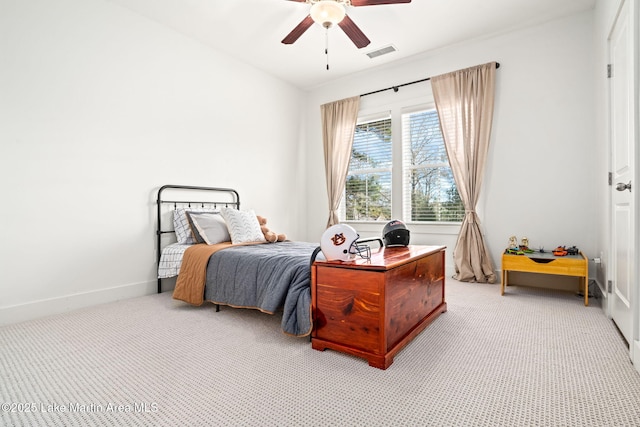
(381, 51)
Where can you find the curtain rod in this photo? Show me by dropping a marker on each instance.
(396, 87)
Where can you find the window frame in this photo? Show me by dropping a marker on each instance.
(383, 115)
(410, 99)
(406, 209)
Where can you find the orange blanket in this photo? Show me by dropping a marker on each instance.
(193, 272)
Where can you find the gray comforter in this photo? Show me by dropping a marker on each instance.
(267, 277)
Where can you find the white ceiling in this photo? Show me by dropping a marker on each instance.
(251, 30)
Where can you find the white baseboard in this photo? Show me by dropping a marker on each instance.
(602, 287)
(636, 355)
(47, 307)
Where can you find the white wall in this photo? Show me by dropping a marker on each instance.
(99, 107)
(540, 174)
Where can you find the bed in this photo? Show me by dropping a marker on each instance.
(239, 269)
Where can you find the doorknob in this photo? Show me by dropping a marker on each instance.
(622, 186)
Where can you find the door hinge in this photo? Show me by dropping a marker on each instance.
(609, 71)
(609, 286)
(610, 178)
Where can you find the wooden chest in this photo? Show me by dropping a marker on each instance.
(372, 309)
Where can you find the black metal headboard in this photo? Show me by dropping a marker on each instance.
(207, 196)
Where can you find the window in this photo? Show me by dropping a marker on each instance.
(428, 192)
(368, 185)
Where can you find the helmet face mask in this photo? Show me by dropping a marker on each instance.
(340, 242)
(395, 233)
(363, 251)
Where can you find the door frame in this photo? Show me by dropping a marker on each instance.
(634, 16)
(634, 347)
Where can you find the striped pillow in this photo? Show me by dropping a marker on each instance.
(243, 226)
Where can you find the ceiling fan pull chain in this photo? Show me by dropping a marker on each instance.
(326, 45)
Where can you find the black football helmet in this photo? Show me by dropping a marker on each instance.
(395, 233)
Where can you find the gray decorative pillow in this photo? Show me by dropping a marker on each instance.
(181, 224)
(243, 226)
(209, 228)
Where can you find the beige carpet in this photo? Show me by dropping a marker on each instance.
(530, 358)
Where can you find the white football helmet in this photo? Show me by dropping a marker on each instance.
(340, 242)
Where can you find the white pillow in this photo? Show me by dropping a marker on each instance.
(243, 226)
(181, 224)
(209, 228)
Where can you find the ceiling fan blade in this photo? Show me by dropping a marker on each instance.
(355, 34)
(376, 2)
(298, 30)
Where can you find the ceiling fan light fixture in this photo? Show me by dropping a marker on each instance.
(328, 12)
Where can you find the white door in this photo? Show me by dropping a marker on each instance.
(622, 156)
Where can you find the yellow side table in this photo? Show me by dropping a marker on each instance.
(547, 263)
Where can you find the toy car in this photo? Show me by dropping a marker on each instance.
(572, 251)
(560, 251)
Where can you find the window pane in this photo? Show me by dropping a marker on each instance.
(425, 139)
(368, 187)
(434, 196)
(372, 146)
(430, 193)
(368, 197)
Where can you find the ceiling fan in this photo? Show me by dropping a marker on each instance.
(331, 12)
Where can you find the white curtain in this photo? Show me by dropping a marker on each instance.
(464, 100)
(338, 127)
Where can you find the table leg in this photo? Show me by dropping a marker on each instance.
(586, 290)
(503, 282)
